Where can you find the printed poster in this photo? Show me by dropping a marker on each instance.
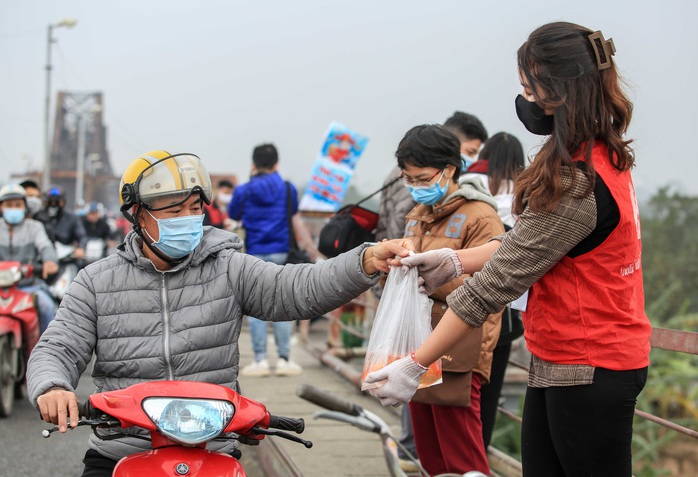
(334, 167)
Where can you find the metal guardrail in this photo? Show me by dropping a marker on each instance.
(663, 338)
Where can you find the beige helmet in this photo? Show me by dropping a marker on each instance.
(158, 179)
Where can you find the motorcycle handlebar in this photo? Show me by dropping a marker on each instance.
(327, 400)
(286, 423)
(86, 410)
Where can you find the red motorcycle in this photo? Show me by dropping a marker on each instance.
(182, 416)
(19, 332)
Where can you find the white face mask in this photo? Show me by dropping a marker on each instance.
(34, 205)
(224, 198)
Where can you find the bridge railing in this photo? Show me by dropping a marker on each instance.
(350, 328)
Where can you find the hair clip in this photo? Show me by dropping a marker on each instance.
(603, 49)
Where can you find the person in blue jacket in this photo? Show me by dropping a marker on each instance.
(261, 206)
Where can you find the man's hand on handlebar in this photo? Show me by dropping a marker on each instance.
(57, 405)
(48, 268)
(79, 253)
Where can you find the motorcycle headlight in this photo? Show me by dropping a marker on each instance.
(189, 421)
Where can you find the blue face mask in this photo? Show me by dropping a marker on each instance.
(429, 195)
(179, 236)
(467, 162)
(13, 216)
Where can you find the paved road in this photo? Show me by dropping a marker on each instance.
(347, 451)
(23, 452)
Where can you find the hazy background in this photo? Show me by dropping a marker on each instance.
(217, 77)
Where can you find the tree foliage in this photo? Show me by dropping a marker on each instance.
(670, 255)
(670, 272)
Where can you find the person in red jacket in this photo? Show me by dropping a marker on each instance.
(215, 213)
(576, 248)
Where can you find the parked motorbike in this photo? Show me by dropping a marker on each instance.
(19, 332)
(182, 416)
(67, 271)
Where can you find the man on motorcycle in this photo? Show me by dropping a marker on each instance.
(169, 304)
(35, 206)
(24, 240)
(66, 226)
(98, 231)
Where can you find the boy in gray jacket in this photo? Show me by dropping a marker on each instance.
(169, 305)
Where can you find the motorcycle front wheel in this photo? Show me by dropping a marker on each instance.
(8, 374)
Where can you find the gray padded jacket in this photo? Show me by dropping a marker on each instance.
(183, 324)
(26, 243)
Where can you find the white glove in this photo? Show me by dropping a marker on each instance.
(400, 381)
(436, 268)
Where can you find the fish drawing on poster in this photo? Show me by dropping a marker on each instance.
(333, 169)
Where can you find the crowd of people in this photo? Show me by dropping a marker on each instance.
(502, 250)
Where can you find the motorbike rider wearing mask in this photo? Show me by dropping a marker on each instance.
(24, 240)
(166, 209)
(99, 234)
(66, 226)
(35, 206)
(169, 304)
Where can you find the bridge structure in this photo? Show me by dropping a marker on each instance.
(78, 156)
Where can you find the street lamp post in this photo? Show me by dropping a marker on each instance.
(68, 23)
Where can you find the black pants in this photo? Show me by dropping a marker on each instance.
(490, 392)
(581, 431)
(96, 465)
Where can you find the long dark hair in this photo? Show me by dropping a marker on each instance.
(558, 63)
(505, 160)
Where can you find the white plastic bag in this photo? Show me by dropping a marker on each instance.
(402, 323)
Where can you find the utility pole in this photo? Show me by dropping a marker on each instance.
(68, 23)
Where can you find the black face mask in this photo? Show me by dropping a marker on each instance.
(533, 117)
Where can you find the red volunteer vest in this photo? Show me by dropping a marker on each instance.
(590, 309)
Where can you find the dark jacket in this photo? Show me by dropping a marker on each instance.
(67, 228)
(99, 229)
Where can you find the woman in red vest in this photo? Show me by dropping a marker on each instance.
(574, 254)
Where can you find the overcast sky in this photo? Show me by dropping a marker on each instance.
(218, 77)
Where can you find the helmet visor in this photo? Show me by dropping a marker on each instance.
(172, 180)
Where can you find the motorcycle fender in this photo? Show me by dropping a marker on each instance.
(10, 326)
(179, 461)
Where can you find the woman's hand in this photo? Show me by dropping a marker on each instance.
(376, 257)
(435, 267)
(396, 383)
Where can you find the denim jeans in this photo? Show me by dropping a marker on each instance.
(282, 329)
(45, 304)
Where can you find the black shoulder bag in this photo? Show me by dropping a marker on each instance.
(295, 254)
(349, 227)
